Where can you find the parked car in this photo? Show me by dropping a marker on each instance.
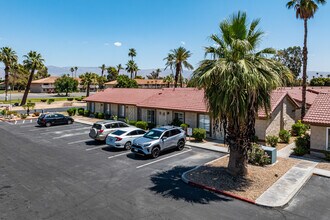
(159, 139)
(54, 119)
(101, 129)
(124, 137)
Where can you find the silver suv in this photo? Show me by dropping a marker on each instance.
(159, 139)
(101, 129)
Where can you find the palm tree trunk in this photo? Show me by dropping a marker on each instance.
(87, 90)
(6, 82)
(177, 73)
(27, 89)
(304, 76)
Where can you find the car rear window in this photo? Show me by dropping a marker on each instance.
(97, 126)
(118, 132)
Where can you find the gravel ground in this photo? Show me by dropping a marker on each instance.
(251, 187)
(324, 165)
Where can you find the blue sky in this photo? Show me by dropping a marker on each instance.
(83, 32)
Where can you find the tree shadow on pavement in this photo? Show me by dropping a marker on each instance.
(170, 185)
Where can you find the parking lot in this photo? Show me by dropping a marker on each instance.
(60, 173)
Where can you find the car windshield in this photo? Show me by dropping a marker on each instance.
(97, 126)
(153, 134)
(119, 132)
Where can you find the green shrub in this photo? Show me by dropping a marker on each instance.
(3, 112)
(257, 156)
(23, 116)
(255, 139)
(12, 113)
(78, 99)
(272, 140)
(71, 111)
(199, 134)
(100, 115)
(87, 113)
(284, 136)
(96, 114)
(176, 122)
(43, 100)
(50, 101)
(70, 99)
(302, 145)
(184, 126)
(80, 111)
(131, 122)
(142, 124)
(298, 128)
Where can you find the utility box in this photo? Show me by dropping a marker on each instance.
(272, 153)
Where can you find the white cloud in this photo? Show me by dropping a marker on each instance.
(117, 44)
(183, 43)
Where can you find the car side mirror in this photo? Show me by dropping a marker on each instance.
(164, 138)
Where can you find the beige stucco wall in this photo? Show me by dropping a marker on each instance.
(274, 126)
(289, 114)
(144, 114)
(318, 137)
(260, 128)
(164, 117)
(114, 109)
(36, 88)
(131, 112)
(99, 107)
(191, 119)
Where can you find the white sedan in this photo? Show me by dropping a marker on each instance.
(124, 137)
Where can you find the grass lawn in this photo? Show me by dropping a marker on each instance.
(35, 100)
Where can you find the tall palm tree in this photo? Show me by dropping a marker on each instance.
(178, 59)
(132, 68)
(169, 62)
(305, 9)
(169, 79)
(33, 61)
(88, 79)
(237, 81)
(132, 53)
(8, 57)
(119, 67)
(72, 71)
(75, 71)
(103, 68)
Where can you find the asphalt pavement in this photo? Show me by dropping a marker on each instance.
(59, 173)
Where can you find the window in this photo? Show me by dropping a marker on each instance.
(113, 125)
(121, 111)
(107, 108)
(122, 125)
(204, 122)
(118, 132)
(92, 106)
(179, 115)
(132, 133)
(151, 116)
(166, 134)
(175, 132)
(140, 132)
(328, 140)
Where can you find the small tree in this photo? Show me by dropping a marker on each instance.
(124, 81)
(29, 106)
(66, 84)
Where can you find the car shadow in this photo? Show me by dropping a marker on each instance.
(93, 142)
(148, 157)
(113, 149)
(170, 185)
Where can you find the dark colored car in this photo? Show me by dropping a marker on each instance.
(54, 119)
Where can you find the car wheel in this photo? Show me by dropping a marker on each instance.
(128, 145)
(155, 152)
(180, 145)
(69, 122)
(48, 124)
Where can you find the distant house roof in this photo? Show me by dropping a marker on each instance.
(122, 95)
(319, 112)
(49, 80)
(319, 89)
(141, 82)
(296, 94)
(180, 99)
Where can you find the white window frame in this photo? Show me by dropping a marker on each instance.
(179, 113)
(327, 139)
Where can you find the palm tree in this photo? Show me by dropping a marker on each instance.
(328, 75)
(154, 74)
(305, 9)
(75, 71)
(169, 79)
(177, 59)
(33, 61)
(88, 79)
(237, 81)
(132, 68)
(112, 73)
(132, 53)
(72, 71)
(119, 67)
(8, 57)
(103, 68)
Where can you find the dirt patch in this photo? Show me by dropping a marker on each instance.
(251, 187)
(323, 165)
(280, 145)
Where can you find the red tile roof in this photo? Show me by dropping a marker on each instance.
(122, 95)
(275, 99)
(181, 99)
(296, 94)
(319, 89)
(319, 112)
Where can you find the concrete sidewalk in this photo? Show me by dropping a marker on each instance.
(283, 190)
(209, 145)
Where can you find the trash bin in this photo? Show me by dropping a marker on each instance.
(272, 153)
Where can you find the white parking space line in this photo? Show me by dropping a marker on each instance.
(118, 155)
(156, 161)
(70, 135)
(75, 142)
(61, 131)
(97, 147)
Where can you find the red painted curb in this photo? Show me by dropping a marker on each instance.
(221, 192)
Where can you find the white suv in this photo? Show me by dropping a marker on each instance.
(101, 129)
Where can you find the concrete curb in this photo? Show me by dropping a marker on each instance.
(206, 148)
(189, 182)
(83, 122)
(321, 172)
